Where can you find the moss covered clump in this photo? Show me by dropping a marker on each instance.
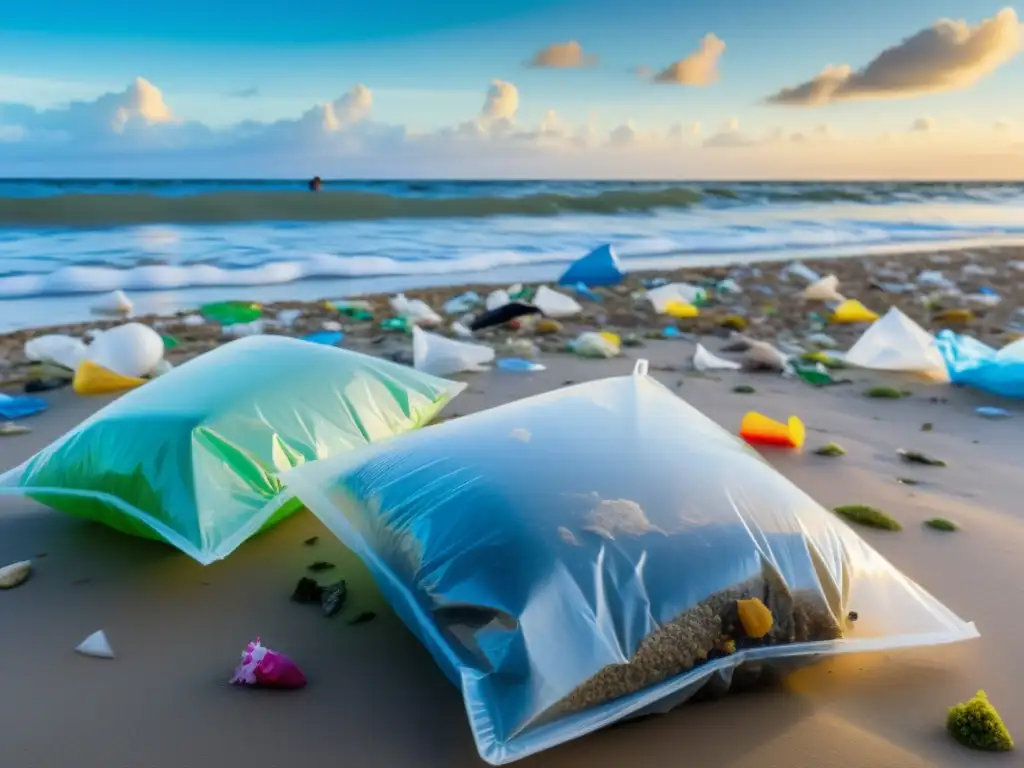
(941, 524)
(830, 449)
(871, 517)
(734, 323)
(884, 393)
(977, 725)
(744, 389)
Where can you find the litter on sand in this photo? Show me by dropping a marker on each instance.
(264, 668)
(519, 365)
(15, 574)
(897, 343)
(618, 596)
(593, 344)
(556, 305)
(96, 645)
(852, 311)
(758, 429)
(113, 303)
(705, 361)
(441, 356)
(20, 406)
(825, 289)
(600, 267)
(974, 364)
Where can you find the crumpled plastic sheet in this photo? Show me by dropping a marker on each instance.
(542, 544)
(971, 363)
(192, 458)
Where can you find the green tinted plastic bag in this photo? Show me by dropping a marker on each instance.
(192, 458)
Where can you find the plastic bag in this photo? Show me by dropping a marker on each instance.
(65, 351)
(973, 364)
(495, 299)
(113, 303)
(703, 360)
(594, 344)
(131, 350)
(682, 293)
(441, 356)
(554, 304)
(897, 343)
(192, 457)
(599, 267)
(93, 379)
(267, 669)
(416, 311)
(537, 547)
(825, 289)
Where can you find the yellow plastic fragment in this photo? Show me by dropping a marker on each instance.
(681, 310)
(755, 617)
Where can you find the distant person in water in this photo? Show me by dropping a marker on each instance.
(314, 184)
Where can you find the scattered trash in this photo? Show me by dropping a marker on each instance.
(671, 332)
(169, 341)
(96, 645)
(496, 299)
(600, 267)
(990, 412)
(319, 566)
(363, 618)
(15, 574)
(327, 338)
(762, 356)
(415, 311)
(401, 324)
(972, 363)
(825, 289)
(586, 293)
(461, 330)
(852, 311)
(461, 304)
(758, 429)
(705, 361)
(11, 429)
(242, 330)
(331, 325)
(897, 343)
(287, 317)
(442, 356)
(681, 310)
(822, 340)
(734, 323)
(554, 304)
(871, 517)
(907, 481)
(728, 286)
(830, 449)
(132, 350)
(815, 374)
(591, 344)
(64, 351)
(801, 270)
(519, 365)
(332, 598)
(94, 379)
(267, 669)
(113, 303)
(934, 279)
(355, 309)
(20, 406)
(503, 314)
(681, 293)
(941, 524)
(958, 316)
(975, 724)
(916, 457)
(231, 312)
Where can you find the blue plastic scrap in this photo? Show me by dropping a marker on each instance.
(327, 338)
(19, 406)
(971, 363)
(518, 364)
(586, 293)
(599, 267)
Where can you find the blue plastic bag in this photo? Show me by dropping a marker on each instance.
(972, 363)
(19, 406)
(576, 558)
(599, 267)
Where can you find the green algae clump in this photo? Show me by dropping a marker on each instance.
(744, 389)
(941, 524)
(830, 449)
(871, 517)
(734, 323)
(884, 393)
(977, 725)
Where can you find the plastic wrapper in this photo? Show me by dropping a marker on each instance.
(603, 551)
(599, 267)
(897, 343)
(974, 364)
(265, 668)
(192, 457)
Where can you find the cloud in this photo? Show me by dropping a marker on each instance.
(700, 68)
(245, 93)
(568, 55)
(923, 125)
(949, 55)
(502, 101)
(1003, 125)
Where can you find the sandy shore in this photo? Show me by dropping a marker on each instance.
(375, 697)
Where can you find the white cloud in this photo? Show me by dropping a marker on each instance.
(923, 125)
(700, 68)
(949, 55)
(568, 55)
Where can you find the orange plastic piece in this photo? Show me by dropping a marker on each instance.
(852, 311)
(758, 429)
(681, 309)
(93, 379)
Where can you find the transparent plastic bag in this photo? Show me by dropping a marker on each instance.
(576, 558)
(192, 458)
(897, 343)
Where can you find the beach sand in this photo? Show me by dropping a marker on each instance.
(376, 698)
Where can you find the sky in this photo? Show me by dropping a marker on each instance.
(642, 89)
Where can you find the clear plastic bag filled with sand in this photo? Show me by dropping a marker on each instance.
(604, 551)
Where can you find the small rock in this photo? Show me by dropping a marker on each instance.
(332, 597)
(320, 565)
(307, 591)
(10, 429)
(15, 574)
(916, 457)
(830, 449)
(311, 541)
(927, 426)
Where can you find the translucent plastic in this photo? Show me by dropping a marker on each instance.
(537, 547)
(599, 267)
(852, 311)
(974, 364)
(441, 356)
(554, 304)
(193, 457)
(897, 343)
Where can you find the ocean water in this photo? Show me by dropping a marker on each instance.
(172, 244)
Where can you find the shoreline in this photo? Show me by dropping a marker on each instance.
(23, 313)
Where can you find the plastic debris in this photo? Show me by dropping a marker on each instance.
(327, 338)
(169, 341)
(462, 303)
(825, 289)
(991, 412)
(113, 303)
(287, 317)
(972, 363)
(495, 299)
(705, 361)
(728, 286)
(592, 344)
(916, 457)
(671, 332)
(396, 324)
(359, 310)
(15, 574)
(758, 429)
(58, 349)
(267, 669)
(599, 267)
(441, 356)
(11, 429)
(755, 617)
(193, 321)
(554, 304)
(822, 340)
(681, 310)
(20, 406)
(852, 311)
(243, 330)
(815, 374)
(585, 292)
(517, 364)
(682, 293)
(96, 645)
(503, 314)
(231, 312)
(897, 343)
(415, 311)
(93, 379)
(800, 270)
(955, 316)
(985, 297)
(934, 279)
(762, 356)
(332, 597)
